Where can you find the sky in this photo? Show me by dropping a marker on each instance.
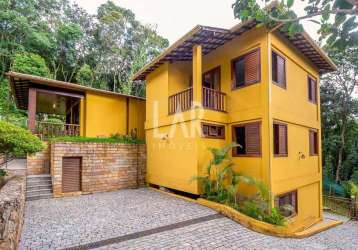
(174, 18)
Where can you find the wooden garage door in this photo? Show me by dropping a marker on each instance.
(71, 174)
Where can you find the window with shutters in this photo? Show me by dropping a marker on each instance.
(246, 69)
(213, 131)
(313, 141)
(278, 70)
(312, 89)
(280, 139)
(287, 204)
(248, 136)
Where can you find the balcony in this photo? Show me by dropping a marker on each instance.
(211, 99)
(48, 130)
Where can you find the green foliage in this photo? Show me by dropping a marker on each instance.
(339, 112)
(17, 141)
(30, 63)
(85, 75)
(351, 188)
(220, 183)
(3, 173)
(112, 139)
(354, 177)
(8, 110)
(341, 30)
(107, 48)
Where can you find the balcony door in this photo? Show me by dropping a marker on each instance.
(211, 79)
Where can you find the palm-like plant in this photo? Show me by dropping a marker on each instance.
(217, 172)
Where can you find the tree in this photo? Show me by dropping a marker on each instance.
(29, 63)
(337, 17)
(85, 75)
(339, 113)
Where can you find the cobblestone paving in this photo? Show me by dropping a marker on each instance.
(66, 222)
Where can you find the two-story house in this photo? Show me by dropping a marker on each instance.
(251, 85)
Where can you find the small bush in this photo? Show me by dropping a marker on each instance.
(16, 141)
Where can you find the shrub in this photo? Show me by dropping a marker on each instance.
(3, 175)
(112, 139)
(351, 189)
(220, 184)
(16, 141)
(30, 63)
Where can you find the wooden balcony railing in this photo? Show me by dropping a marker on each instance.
(46, 130)
(214, 99)
(181, 101)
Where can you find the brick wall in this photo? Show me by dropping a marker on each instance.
(39, 163)
(12, 203)
(105, 166)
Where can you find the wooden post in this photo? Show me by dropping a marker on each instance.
(197, 74)
(32, 110)
(127, 115)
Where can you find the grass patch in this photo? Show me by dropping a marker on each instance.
(112, 139)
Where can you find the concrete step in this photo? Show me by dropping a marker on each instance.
(39, 177)
(38, 182)
(38, 186)
(38, 197)
(38, 192)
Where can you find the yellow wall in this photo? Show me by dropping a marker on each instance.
(263, 102)
(291, 106)
(173, 161)
(105, 115)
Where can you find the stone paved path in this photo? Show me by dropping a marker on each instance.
(145, 219)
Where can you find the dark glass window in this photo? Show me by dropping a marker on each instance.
(287, 204)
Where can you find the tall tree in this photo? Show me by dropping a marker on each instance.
(340, 108)
(337, 18)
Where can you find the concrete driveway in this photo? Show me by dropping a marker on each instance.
(146, 219)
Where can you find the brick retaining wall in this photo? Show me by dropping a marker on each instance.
(12, 203)
(105, 166)
(39, 163)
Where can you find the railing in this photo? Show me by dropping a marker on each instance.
(181, 101)
(214, 99)
(344, 206)
(46, 130)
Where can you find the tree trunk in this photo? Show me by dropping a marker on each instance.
(340, 152)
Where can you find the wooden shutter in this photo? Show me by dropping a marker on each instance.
(253, 140)
(282, 138)
(71, 174)
(313, 142)
(312, 89)
(252, 67)
(281, 71)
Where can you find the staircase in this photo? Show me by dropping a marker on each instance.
(38, 187)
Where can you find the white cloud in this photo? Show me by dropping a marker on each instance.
(174, 18)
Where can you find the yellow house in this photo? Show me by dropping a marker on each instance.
(251, 85)
(86, 111)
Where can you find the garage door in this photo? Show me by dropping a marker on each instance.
(71, 174)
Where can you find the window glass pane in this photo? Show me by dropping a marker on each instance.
(287, 204)
(310, 94)
(276, 139)
(274, 67)
(239, 68)
(240, 139)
